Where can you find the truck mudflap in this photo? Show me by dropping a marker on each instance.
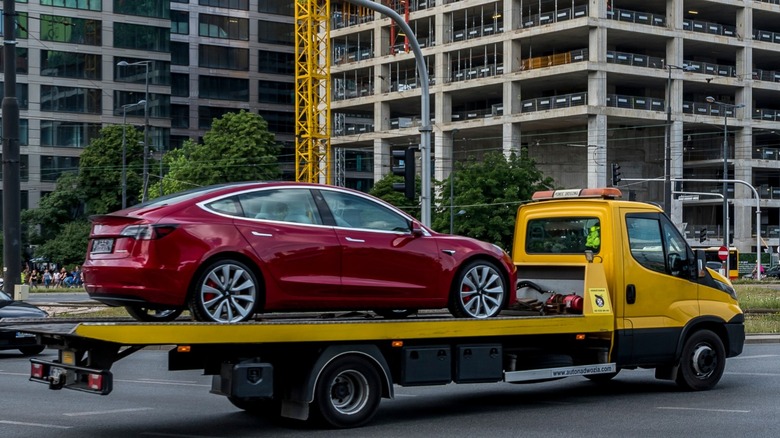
(559, 372)
(59, 375)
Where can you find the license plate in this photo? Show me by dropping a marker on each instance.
(102, 246)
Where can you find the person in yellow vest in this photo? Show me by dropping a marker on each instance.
(593, 241)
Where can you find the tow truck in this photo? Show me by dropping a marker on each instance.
(634, 295)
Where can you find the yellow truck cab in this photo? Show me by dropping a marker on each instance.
(671, 313)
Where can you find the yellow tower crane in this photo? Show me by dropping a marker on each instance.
(312, 91)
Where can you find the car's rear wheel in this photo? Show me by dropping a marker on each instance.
(226, 291)
(146, 314)
(479, 291)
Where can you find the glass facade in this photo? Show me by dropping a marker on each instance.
(143, 8)
(230, 4)
(229, 58)
(159, 71)
(279, 121)
(21, 31)
(180, 116)
(22, 61)
(139, 37)
(71, 65)
(278, 8)
(276, 92)
(180, 53)
(71, 99)
(218, 26)
(90, 5)
(180, 85)
(222, 88)
(276, 33)
(22, 94)
(275, 62)
(180, 22)
(71, 30)
(24, 132)
(53, 166)
(66, 134)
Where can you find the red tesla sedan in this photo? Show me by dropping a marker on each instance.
(230, 251)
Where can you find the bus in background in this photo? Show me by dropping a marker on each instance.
(712, 256)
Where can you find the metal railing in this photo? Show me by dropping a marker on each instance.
(554, 102)
(638, 17)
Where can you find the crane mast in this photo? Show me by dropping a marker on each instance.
(312, 91)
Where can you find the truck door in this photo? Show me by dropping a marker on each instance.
(659, 289)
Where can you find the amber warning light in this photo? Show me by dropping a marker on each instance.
(605, 192)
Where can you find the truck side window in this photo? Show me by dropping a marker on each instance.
(563, 235)
(656, 245)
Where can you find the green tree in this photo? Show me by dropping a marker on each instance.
(238, 147)
(100, 169)
(384, 189)
(489, 191)
(69, 246)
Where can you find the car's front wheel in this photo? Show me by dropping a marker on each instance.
(479, 291)
(226, 291)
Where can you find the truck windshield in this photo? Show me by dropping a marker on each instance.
(564, 235)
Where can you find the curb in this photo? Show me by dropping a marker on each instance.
(762, 339)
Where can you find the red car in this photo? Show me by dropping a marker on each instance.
(227, 252)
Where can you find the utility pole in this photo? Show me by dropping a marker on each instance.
(12, 236)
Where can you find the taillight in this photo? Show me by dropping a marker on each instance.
(147, 232)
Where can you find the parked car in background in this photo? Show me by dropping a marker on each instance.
(773, 272)
(11, 339)
(229, 251)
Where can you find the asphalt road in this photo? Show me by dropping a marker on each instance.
(149, 401)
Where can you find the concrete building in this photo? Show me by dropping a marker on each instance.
(204, 58)
(580, 85)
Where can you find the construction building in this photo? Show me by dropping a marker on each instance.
(580, 85)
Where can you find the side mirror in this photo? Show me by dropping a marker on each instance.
(700, 259)
(417, 229)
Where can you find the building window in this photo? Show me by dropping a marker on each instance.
(90, 5)
(276, 92)
(159, 72)
(180, 116)
(65, 134)
(143, 8)
(180, 53)
(279, 122)
(136, 36)
(180, 22)
(53, 166)
(275, 62)
(207, 114)
(24, 168)
(230, 58)
(71, 65)
(21, 30)
(277, 33)
(180, 85)
(159, 104)
(70, 99)
(278, 8)
(229, 4)
(177, 141)
(218, 87)
(22, 94)
(71, 30)
(24, 131)
(21, 61)
(218, 26)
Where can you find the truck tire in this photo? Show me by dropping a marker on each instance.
(145, 314)
(226, 291)
(479, 291)
(702, 362)
(347, 392)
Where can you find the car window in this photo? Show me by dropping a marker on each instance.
(566, 235)
(644, 239)
(285, 205)
(352, 211)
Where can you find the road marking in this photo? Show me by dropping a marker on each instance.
(753, 374)
(49, 426)
(114, 411)
(761, 356)
(738, 411)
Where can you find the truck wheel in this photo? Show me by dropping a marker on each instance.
(226, 291)
(702, 362)
(140, 313)
(478, 292)
(347, 393)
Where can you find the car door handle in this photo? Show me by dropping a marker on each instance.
(255, 233)
(350, 239)
(630, 294)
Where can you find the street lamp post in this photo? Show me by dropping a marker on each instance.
(724, 107)
(124, 149)
(146, 64)
(668, 145)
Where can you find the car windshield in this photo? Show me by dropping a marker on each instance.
(5, 297)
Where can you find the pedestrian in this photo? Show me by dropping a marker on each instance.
(34, 278)
(46, 278)
(64, 278)
(57, 279)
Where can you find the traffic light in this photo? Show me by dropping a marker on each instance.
(702, 235)
(616, 175)
(405, 167)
